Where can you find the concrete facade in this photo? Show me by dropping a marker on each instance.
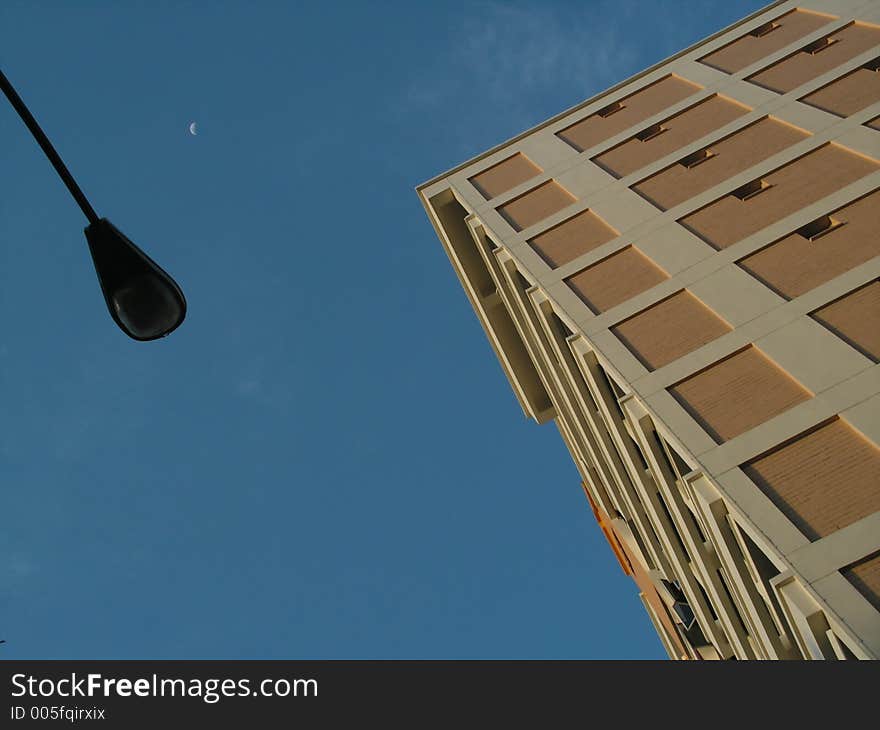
(683, 274)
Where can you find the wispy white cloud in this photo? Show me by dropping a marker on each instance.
(516, 61)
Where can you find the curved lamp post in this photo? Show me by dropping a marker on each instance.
(143, 300)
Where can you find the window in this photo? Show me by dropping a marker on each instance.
(819, 227)
(696, 158)
(763, 30)
(685, 614)
(680, 607)
(653, 131)
(750, 190)
(819, 45)
(611, 109)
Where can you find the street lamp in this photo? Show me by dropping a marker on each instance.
(143, 299)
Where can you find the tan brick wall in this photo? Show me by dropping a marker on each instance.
(571, 238)
(865, 576)
(856, 319)
(802, 66)
(670, 329)
(535, 205)
(824, 480)
(849, 94)
(505, 175)
(678, 131)
(795, 264)
(810, 178)
(738, 393)
(748, 49)
(730, 156)
(634, 108)
(616, 278)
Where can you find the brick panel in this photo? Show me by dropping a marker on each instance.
(790, 188)
(570, 239)
(615, 279)
(536, 205)
(678, 131)
(855, 318)
(505, 176)
(795, 264)
(865, 577)
(730, 156)
(803, 66)
(670, 329)
(634, 108)
(823, 480)
(748, 49)
(848, 94)
(738, 393)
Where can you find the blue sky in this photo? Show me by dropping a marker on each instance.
(325, 460)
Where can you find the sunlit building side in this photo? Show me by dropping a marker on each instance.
(682, 274)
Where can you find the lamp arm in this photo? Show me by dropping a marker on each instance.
(47, 148)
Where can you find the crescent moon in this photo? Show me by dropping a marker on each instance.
(193, 129)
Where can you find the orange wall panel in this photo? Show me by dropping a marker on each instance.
(536, 205)
(635, 108)
(803, 66)
(615, 279)
(738, 393)
(823, 480)
(795, 264)
(848, 94)
(670, 329)
(505, 176)
(823, 171)
(571, 238)
(865, 577)
(855, 318)
(678, 131)
(748, 49)
(730, 156)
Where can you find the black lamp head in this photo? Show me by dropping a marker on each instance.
(143, 300)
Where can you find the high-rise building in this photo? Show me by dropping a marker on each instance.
(682, 274)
